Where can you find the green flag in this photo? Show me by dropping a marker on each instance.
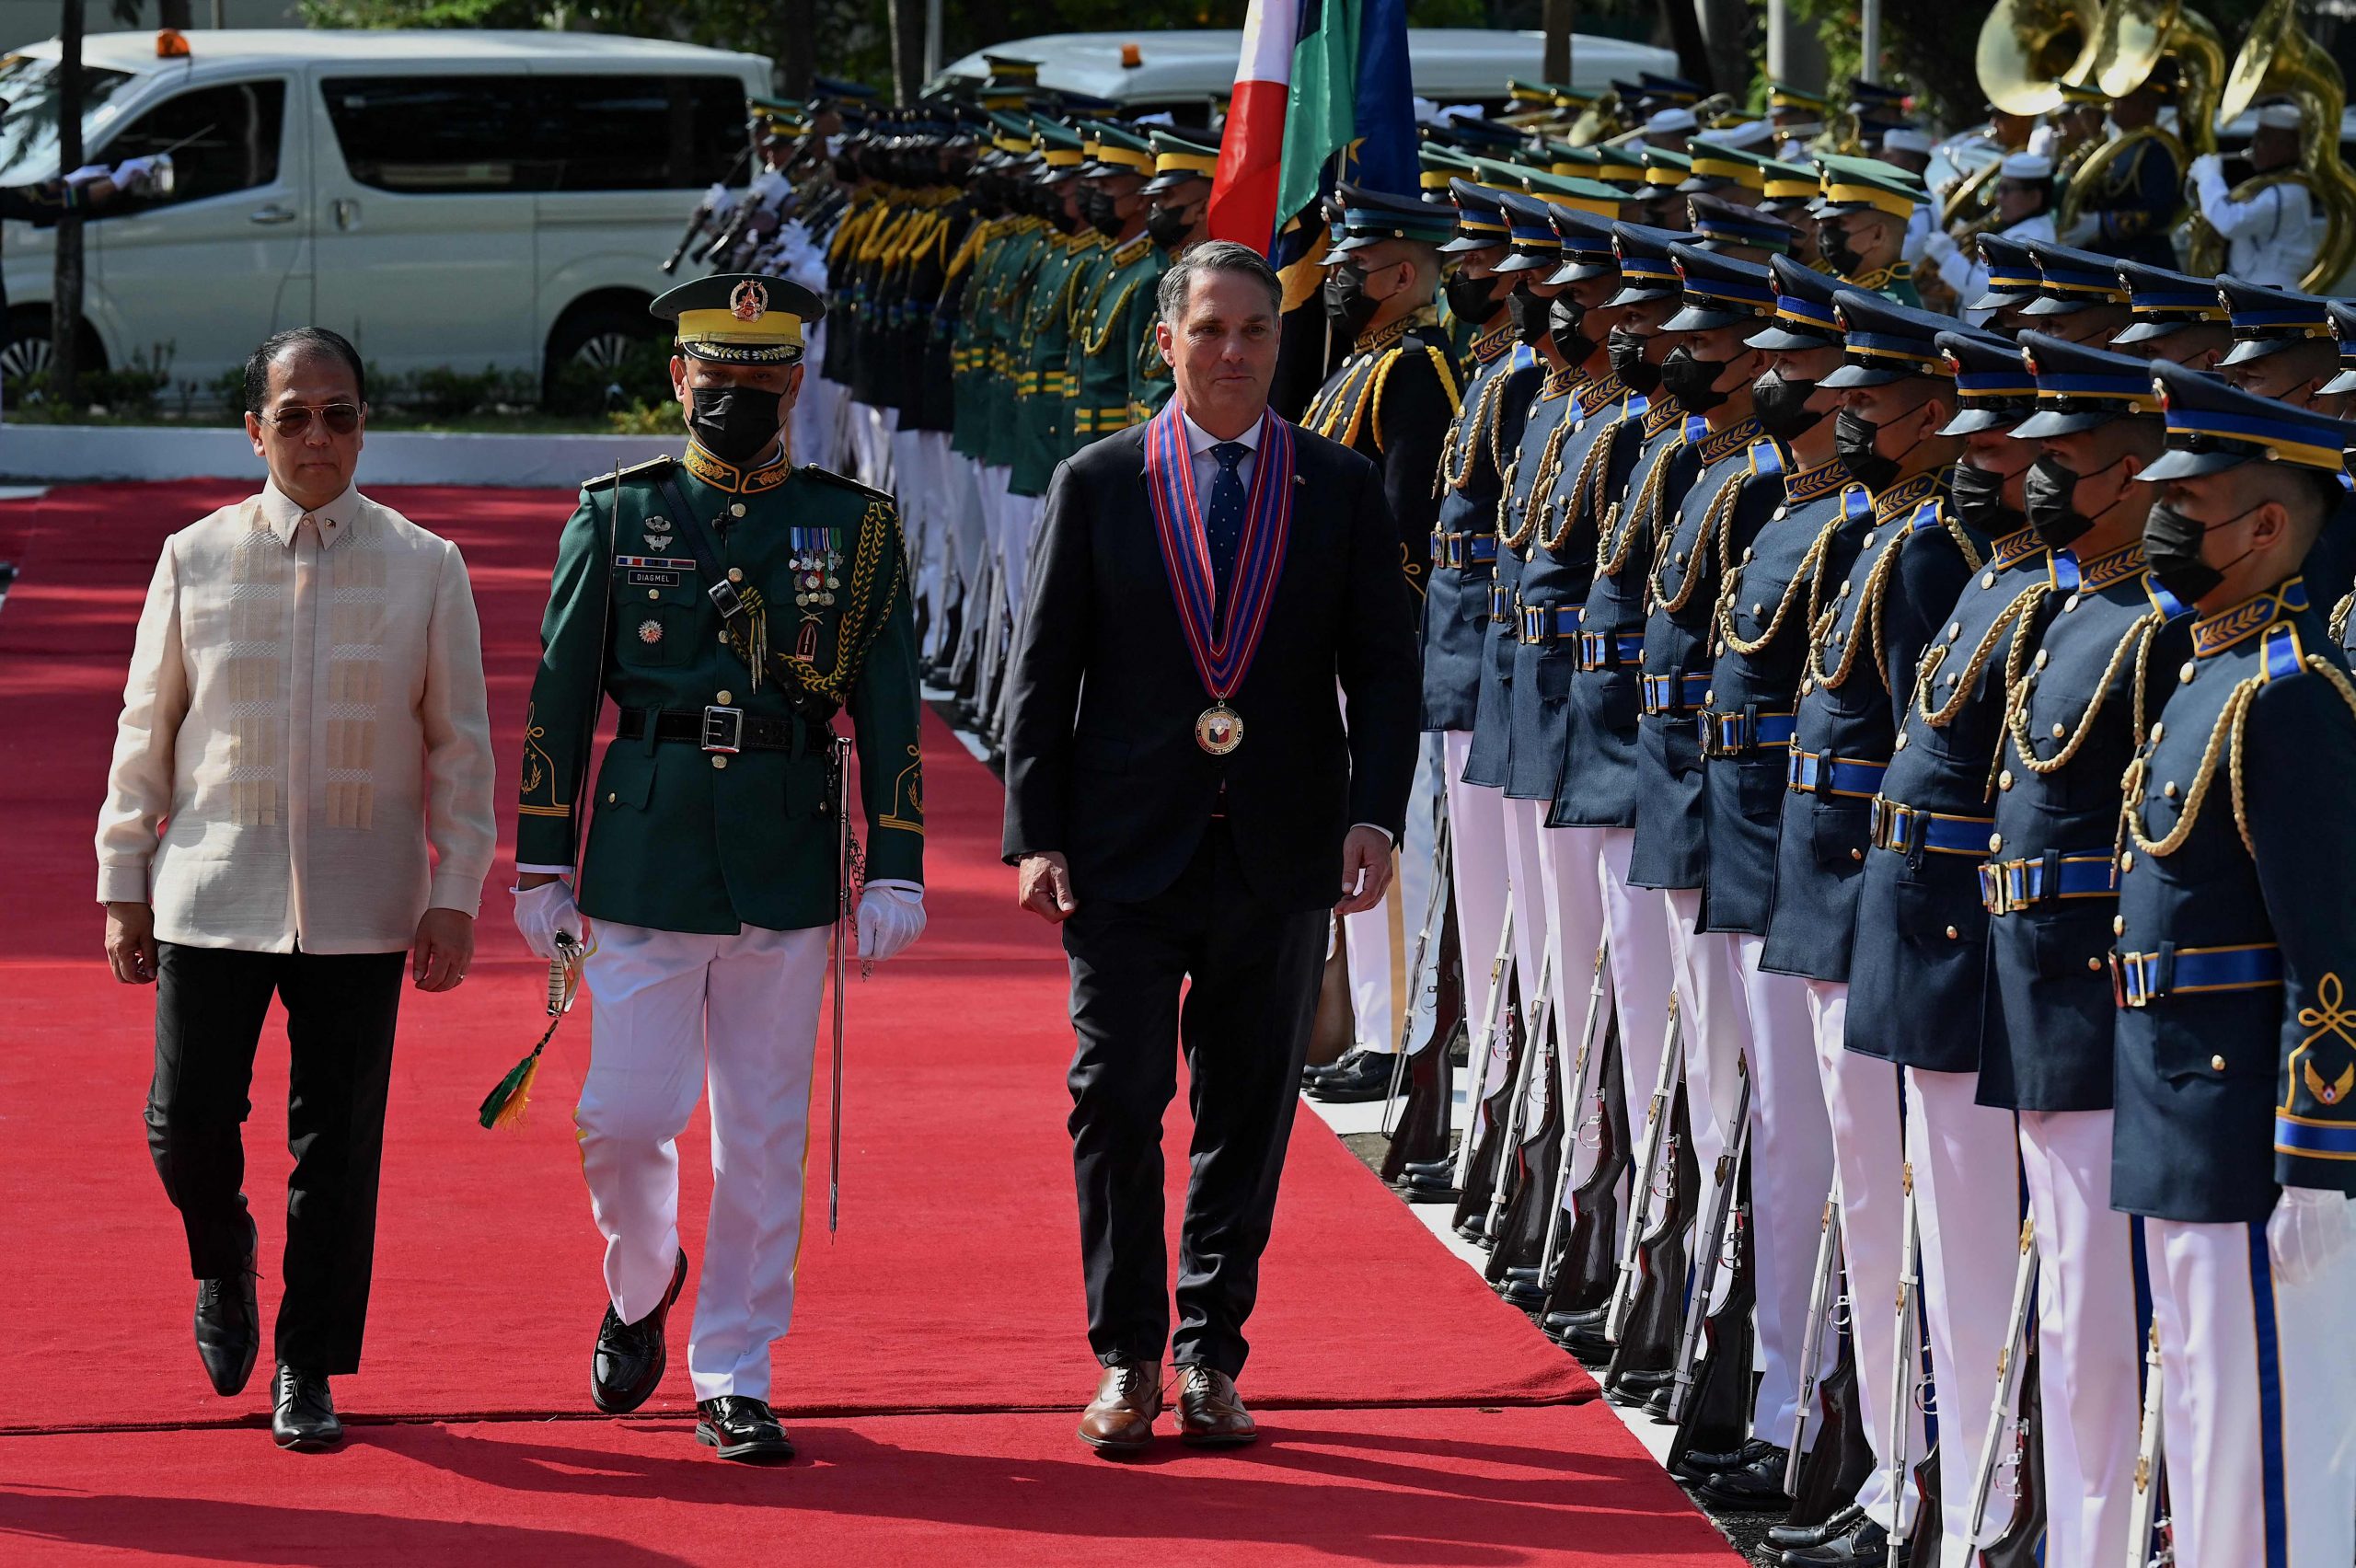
(1320, 111)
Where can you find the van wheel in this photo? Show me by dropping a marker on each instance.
(29, 347)
(596, 339)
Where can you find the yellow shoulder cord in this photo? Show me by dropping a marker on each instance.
(1643, 517)
(2136, 644)
(1716, 521)
(1866, 624)
(1545, 490)
(1802, 577)
(2337, 622)
(2012, 618)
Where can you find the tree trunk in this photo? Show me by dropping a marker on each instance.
(65, 312)
(907, 49)
(1726, 25)
(179, 14)
(1554, 17)
(797, 23)
(1685, 37)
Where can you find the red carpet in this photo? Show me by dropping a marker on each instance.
(955, 1285)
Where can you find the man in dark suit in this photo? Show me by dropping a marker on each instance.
(1184, 799)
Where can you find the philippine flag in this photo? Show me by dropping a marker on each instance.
(1243, 196)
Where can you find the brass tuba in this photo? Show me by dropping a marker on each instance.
(2280, 61)
(2027, 48)
(2134, 37)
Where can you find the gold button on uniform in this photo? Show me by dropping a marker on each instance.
(609, 797)
(725, 699)
(2119, 925)
(2216, 1064)
(1857, 853)
(2094, 964)
(1952, 935)
(2004, 780)
(2127, 861)
(735, 574)
(1988, 579)
(736, 508)
(2186, 674)
(2058, 730)
(654, 593)
(1996, 842)
(2043, 656)
(2168, 788)
(719, 762)
(2158, 732)
(1955, 630)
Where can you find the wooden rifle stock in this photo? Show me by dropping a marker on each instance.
(1841, 1456)
(2025, 1530)
(1571, 1098)
(1514, 1170)
(1713, 1412)
(1587, 1265)
(1484, 1045)
(1712, 1236)
(1421, 1130)
(1647, 1340)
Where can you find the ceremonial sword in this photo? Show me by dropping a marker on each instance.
(838, 750)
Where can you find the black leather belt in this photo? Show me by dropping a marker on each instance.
(724, 730)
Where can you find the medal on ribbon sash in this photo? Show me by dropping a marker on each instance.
(1222, 652)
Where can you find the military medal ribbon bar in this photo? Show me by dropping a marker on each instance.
(1222, 653)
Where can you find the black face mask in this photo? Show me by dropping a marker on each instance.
(1628, 363)
(735, 424)
(1979, 501)
(1105, 210)
(1169, 227)
(1065, 221)
(1782, 406)
(2052, 491)
(1691, 380)
(1565, 319)
(1832, 244)
(1528, 313)
(2172, 549)
(1853, 437)
(1347, 304)
(1468, 298)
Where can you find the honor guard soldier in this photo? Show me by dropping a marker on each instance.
(1860, 225)
(1739, 232)
(2272, 237)
(1760, 620)
(1731, 174)
(1392, 399)
(1042, 354)
(1117, 311)
(1913, 557)
(2332, 398)
(1791, 189)
(2176, 316)
(2012, 284)
(2128, 211)
(1177, 215)
(2079, 296)
(2073, 719)
(1918, 972)
(729, 604)
(1658, 201)
(1797, 115)
(1459, 597)
(2023, 206)
(2235, 1066)
(2283, 349)
(1629, 487)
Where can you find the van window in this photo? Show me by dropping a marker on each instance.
(222, 139)
(28, 133)
(417, 134)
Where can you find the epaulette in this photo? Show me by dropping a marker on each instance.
(2281, 656)
(1765, 460)
(1133, 250)
(845, 481)
(1926, 517)
(616, 476)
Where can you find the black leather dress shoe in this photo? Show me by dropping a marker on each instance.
(1632, 1389)
(304, 1419)
(1360, 1076)
(628, 1364)
(1698, 1465)
(1785, 1538)
(740, 1429)
(1757, 1484)
(1863, 1545)
(229, 1329)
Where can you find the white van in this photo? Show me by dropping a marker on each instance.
(457, 198)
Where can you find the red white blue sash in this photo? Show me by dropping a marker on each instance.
(1222, 653)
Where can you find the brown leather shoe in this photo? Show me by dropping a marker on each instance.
(1210, 1412)
(1119, 1420)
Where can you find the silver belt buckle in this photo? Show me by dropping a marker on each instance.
(723, 730)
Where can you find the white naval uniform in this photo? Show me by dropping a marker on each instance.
(672, 1011)
(1710, 1028)
(2271, 238)
(1477, 852)
(1791, 1170)
(1382, 941)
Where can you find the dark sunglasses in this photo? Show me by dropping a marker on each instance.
(342, 419)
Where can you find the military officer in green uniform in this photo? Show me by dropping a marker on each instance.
(729, 604)
(1860, 225)
(1177, 215)
(1118, 309)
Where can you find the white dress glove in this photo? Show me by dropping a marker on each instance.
(541, 912)
(2311, 1228)
(891, 916)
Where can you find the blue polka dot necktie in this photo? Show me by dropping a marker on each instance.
(1223, 523)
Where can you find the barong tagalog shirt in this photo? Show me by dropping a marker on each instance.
(304, 717)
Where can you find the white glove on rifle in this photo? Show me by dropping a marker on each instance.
(2311, 1228)
(541, 912)
(891, 916)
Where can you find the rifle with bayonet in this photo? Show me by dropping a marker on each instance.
(1419, 1133)
(1666, 1079)
(2018, 1338)
(1714, 1406)
(1643, 1356)
(1515, 1220)
(1712, 1238)
(717, 204)
(1498, 1046)
(1579, 1291)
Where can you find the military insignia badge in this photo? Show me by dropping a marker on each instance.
(749, 302)
(650, 631)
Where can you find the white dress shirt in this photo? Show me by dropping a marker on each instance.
(2272, 237)
(304, 718)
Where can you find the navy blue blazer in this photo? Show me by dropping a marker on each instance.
(1490, 756)
(1465, 540)
(2235, 1066)
(1912, 562)
(1770, 600)
(1736, 486)
(1556, 446)
(2051, 888)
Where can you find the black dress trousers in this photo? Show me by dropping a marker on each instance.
(1244, 1025)
(210, 1004)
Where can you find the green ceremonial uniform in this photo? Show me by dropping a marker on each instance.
(995, 244)
(1149, 383)
(686, 840)
(1041, 354)
(1119, 307)
(1008, 359)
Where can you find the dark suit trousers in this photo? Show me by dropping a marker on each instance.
(209, 1003)
(1243, 1024)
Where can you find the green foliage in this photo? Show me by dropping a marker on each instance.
(442, 393)
(643, 379)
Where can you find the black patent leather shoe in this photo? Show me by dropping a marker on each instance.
(1787, 1537)
(1756, 1484)
(229, 1329)
(741, 1429)
(1360, 1076)
(1863, 1545)
(1632, 1388)
(304, 1418)
(1699, 1464)
(628, 1364)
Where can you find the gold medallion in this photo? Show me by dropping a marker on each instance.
(1219, 729)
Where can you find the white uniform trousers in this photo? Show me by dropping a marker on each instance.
(816, 421)
(1861, 1101)
(1382, 940)
(1570, 882)
(1967, 1163)
(2259, 1384)
(1710, 1029)
(912, 489)
(1791, 1170)
(672, 1009)
(1524, 821)
(2090, 1348)
(870, 431)
(1477, 846)
(1640, 974)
